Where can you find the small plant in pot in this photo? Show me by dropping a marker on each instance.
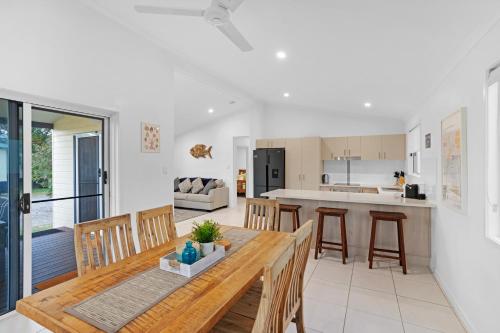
(206, 234)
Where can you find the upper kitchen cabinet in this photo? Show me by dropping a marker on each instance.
(383, 147)
(333, 148)
(270, 143)
(394, 147)
(354, 146)
(340, 147)
(371, 147)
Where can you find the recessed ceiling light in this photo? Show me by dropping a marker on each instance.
(287, 94)
(210, 110)
(368, 105)
(281, 55)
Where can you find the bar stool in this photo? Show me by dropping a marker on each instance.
(335, 212)
(391, 217)
(294, 209)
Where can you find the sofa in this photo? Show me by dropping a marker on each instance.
(216, 198)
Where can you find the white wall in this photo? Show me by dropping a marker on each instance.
(220, 135)
(65, 51)
(281, 121)
(464, 261)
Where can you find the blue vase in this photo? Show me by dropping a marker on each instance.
(189, 254)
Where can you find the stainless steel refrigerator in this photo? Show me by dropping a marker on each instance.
(268, 170)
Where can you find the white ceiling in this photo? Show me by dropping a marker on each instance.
(193, 99)
(341, 52)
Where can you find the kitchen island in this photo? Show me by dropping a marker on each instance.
(417, 228)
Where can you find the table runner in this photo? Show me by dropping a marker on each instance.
(115, 307)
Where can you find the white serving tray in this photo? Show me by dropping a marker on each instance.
(197, 267)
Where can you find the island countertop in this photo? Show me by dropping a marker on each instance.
(393, 199)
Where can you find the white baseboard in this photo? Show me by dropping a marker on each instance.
(466, 323)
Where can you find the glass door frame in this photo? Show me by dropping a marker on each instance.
(28, 109)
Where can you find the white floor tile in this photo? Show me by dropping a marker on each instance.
(378, 267)
(362, 322)
(410, 328)
(374, 302)
(428, 292)
(429, 315)
(373, 281)
(333, 272)
(327, 292)
(414, 273)
(323, 317)
(293, 329)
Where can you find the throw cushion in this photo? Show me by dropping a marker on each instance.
(219, 183)
(197, 186)
(176, 184)
(210, 185)
(185, 186)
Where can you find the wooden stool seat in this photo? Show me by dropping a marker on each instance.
(331, 211)
(294, 209)
(342, 246)
(390, 217)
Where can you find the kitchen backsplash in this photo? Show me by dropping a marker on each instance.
(364, 172)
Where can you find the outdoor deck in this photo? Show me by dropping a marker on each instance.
(53, 255)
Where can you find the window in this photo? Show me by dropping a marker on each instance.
(414, 151)
(493, 156)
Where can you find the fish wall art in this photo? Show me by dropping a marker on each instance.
(201, 150)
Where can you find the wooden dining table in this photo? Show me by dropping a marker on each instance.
(195, 307)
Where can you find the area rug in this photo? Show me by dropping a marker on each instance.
(186, 214)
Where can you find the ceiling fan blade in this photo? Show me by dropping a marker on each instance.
(235, 36)
(234, 4)
(168, 11)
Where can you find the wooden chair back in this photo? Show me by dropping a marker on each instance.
(156, 226)
(293, 302)
(261, 214)
(277, 276)
(102, 242)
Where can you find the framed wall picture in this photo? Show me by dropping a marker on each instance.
(150, 138)
(454, 160)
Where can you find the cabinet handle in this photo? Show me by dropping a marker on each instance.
(331, 156)
(349, 152)
(379, 156)
(384, 155)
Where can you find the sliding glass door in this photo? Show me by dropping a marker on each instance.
(52, 176)
(11, 231)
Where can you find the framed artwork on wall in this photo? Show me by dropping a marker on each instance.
(150, 138)
(454, 160)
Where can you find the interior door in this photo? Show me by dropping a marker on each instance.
(88, 177)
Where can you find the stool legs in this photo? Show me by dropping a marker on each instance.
(296, 220)
(372, 242)
(319, 235)
(402, 254)
(344, 238)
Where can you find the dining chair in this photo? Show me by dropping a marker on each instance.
(156, 226)
(102, 242)
(261, 214)
(270, 314)
(248, 305)
(294, 303)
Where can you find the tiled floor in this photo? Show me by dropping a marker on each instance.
(354, 299)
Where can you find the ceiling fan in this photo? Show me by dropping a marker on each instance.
(217, 14)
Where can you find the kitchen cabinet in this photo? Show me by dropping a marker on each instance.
(383, 147)
(394, 147)
(371, 147)
(303, 164)
(270, 143)
(340, 147)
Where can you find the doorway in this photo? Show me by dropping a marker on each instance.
(241, 151)
(67, 187)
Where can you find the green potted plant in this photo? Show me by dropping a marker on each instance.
(206, 234)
